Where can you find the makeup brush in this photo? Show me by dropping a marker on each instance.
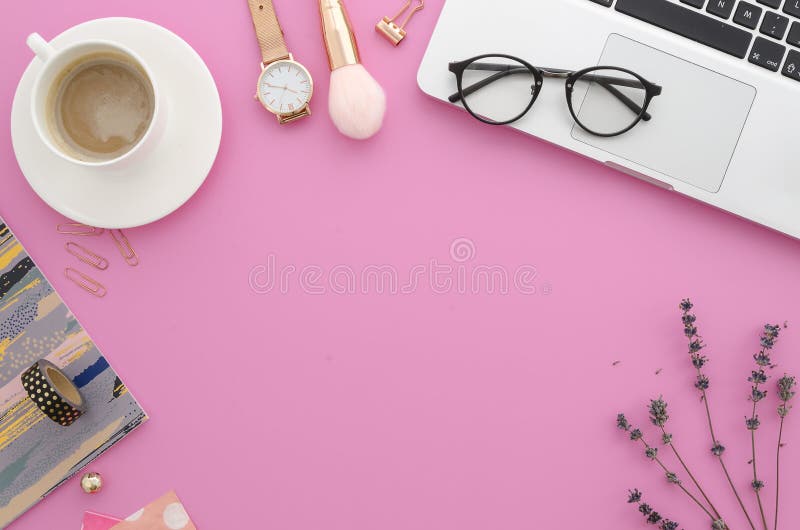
(356, 102)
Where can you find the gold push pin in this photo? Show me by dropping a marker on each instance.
(389, 28)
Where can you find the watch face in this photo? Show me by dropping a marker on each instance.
(285, 87)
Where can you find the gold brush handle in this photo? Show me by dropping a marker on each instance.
(340, 41)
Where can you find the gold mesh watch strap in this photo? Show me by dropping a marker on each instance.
(268, 31)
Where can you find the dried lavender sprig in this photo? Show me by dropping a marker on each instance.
(786, 391)
(759, 377)
(702, 384)
(651, 453)
(652, 516)
(659, 416)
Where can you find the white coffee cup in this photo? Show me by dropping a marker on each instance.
(55, 62)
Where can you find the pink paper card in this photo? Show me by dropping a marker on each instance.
(95, 521)
(167, 513)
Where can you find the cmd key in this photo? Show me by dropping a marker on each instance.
(767, 54)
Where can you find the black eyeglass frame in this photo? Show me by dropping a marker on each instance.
(539, 73)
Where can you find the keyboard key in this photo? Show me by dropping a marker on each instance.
(748, 15)
(794, 34)
(767, 54)
(690, 24)
(698, 3)
(721, 8)
(771, 3)
(606, 3)
(792, 67)
(792, 7)
(774, 25)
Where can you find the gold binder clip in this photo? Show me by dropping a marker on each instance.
(125, 248)
(389, 28)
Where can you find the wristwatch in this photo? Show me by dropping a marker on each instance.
(284, 86)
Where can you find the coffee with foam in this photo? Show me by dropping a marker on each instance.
(100, 107)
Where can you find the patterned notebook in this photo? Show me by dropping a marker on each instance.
(36, 452)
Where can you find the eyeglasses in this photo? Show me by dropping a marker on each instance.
(604, 100)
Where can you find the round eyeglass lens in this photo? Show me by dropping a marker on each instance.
(497, 89)
(607, 101)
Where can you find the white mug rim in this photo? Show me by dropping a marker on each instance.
(37, 88)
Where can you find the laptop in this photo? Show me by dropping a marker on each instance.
(725, 128)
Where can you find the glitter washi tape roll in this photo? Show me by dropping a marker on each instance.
(53, 393)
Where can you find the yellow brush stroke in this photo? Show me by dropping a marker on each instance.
(30, 417)
(13, 300)
(28, 497)
(9, 254)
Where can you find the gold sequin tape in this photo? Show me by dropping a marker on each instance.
(53, 392)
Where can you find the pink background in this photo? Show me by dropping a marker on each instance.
(421, 410)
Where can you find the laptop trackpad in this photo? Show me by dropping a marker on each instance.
(696, 121)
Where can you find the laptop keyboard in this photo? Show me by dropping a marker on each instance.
(765, 32)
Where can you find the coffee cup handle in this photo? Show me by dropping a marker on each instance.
(40, 47)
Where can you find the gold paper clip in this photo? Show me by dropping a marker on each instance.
(389, 28)
(125, 248)
(87, 256)
(86, 283)
(79, 229)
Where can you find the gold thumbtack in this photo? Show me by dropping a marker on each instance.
(389, 28)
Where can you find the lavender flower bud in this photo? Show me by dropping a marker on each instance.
(717, 449)
(634, 495)
(699, 361)
(695, 346)
(786, 385)
(645, 508)
(672, 478)
(763, 358)
(622, 422)
(658, 412)
(753, 423)
(686, 305)
(702, 382)
(636, 435)
(757, 395)
(757, 485)
(666, 524)
(651, 452)
(758, 377)
(653, 518)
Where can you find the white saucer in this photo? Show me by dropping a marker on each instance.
(148, 189)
